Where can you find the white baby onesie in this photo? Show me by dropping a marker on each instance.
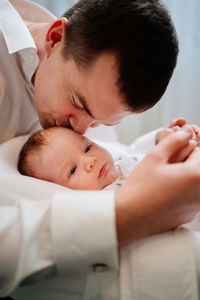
(126, 164)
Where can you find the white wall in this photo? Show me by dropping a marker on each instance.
(57, 7)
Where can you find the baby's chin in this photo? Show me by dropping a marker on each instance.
(111, 176)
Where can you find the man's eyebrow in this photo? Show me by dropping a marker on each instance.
(82, 100)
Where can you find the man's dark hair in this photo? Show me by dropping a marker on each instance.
(141, 35)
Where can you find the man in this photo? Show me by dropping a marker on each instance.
(107, 60)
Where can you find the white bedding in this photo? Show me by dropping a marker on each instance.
(12, 181)
(162, 267)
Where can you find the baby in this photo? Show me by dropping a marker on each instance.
(67, 158)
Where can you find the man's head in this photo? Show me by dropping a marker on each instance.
(67, 158)
(104, 60)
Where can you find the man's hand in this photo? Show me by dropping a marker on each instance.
(159, 195)
(174, 126)
(169, 129)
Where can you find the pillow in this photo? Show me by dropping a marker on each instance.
(13, 182)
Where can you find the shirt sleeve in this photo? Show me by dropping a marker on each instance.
(84, 229)
(74, 231)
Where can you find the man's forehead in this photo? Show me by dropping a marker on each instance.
(97, 89)
(108, 114)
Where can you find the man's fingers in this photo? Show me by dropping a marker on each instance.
(184, 152)
(196, 135)
(173, 143)
(162, 134)
(194, 157)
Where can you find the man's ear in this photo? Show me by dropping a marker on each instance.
(55, 34)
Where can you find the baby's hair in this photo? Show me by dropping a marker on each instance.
(35, 142)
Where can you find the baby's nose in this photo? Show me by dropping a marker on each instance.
(90, 161)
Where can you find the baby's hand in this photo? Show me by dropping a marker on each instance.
(175, 126)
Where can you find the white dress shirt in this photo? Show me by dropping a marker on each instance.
(44, 229)
(18, 61)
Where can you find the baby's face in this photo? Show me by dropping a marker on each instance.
(75, 162)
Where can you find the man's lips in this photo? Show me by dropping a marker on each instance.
(102, 170)
(55, 123)
(65, 124)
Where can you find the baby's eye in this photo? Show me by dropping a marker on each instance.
(72, 171)
(87, 149)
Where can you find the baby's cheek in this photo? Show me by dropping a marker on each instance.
(110, 177)
(89, 182)
(78, 182)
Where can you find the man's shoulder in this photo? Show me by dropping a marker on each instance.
(32, 12)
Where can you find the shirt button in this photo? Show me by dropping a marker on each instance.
(97, 268)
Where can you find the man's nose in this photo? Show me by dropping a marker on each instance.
(81, 123)
(89, 163)
(95, 124)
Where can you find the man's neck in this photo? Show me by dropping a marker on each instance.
(38, 32)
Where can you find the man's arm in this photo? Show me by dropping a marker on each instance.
(71, 232)
(159, 195)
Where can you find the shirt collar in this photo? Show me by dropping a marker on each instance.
(13, 28)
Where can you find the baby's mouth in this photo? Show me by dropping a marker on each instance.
(102, 170)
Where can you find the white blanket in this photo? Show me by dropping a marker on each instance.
(161, 267)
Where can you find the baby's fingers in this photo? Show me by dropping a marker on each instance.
(173, 144)
(177, 122)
